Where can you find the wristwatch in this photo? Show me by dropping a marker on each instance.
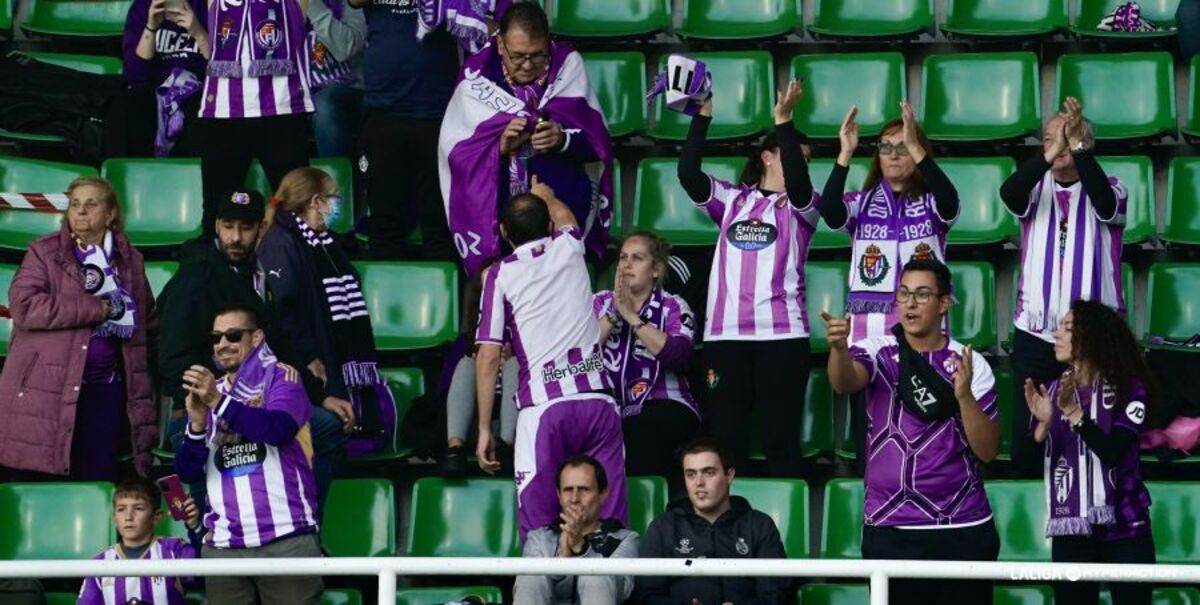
(1078, 423)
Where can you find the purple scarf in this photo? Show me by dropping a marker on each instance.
(686, 82)
(468, 161)
(1079, 489)
(466, 20)
(323, 68)
(629, 365)
(100, 279)
(273, 30)
(889, 232)
(177, 88)
(252, 376)
(1126, 18)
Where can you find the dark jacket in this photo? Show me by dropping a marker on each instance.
(53, 317)
(740, 533)
(205, 283)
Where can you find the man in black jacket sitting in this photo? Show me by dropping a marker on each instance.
(711, 524)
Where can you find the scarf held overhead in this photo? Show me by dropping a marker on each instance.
(468, 148)
(100, 279)
(266, 32)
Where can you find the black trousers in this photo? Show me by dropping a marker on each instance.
(975, 543)
(132, 124)
(654, 438)
(769, 374)
(281, 144)
(1033, 358)
(1084, 549)
(400, 169)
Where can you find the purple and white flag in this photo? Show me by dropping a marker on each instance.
(686, 83)
(466, 20)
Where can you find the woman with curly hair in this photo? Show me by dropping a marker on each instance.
(1089, 419)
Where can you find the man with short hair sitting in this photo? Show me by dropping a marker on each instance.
(711, 524)
(580, 532)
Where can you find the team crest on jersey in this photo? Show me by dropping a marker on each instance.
(712, 379)
(639, 387)
(320, 53)
(267, 35)
(751, 235)
(1063, 479)
(741, 547)
(949, 365)
(922, 252)
(873, 266)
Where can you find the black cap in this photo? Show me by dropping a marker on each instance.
(245, 206)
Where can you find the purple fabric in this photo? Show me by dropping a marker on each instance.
(323, 68)
(685, 82)
(276, 427)
(1126, 18)
(469, 146)
(99, 426)
(358, 446)
(466, 20)
(273, 29)
(173, 46)
(100, 279)
(103, 360)
(146, 588)
(675, 352)
(179, 86)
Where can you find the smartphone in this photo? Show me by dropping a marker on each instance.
(174, 5)
(173, 492)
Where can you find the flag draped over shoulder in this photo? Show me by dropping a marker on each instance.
(468, 149)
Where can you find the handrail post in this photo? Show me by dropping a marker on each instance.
(879, 588)
(387, 587)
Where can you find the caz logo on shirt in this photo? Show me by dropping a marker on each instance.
(751, 235)
(921, 393)
(873, 266)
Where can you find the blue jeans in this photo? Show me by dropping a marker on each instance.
(336, 120)
(329, 449)
(1187, 19)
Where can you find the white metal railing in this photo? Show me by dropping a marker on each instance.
(877, 572)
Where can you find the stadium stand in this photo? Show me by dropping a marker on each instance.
(647, 497)
(26, 175)
(412, 305)
(742, 110)
(1127, 95)
(1089, 13)
(78, 512)
(866, 19)
(101, 18)
(152, 218)
(786, 502)
(619, 80)
(875, 82)
(997, 18)
(608, 18)
(1182, 222)
(734, 20)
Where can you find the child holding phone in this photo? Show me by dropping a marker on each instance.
(137, 509)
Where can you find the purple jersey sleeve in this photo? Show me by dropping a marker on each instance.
(863, 352)
(90, 593)
(854, 203)
(810, 214)
(983, 385)
(491, 309)
(602, 302)
(1122, 196)
(713, 205)
(681, 322)
(1133, 416)
(569, 236)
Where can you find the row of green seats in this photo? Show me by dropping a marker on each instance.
(965, 96)
(1004, 594)
(740, 20)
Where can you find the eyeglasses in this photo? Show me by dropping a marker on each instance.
(922, 295)
(535, 59)
(233, 335)
(886, 148)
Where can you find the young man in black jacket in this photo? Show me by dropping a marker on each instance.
(711, 524)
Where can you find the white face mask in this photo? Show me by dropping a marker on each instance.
(335, 210)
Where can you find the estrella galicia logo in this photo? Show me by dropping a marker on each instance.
(751, 235)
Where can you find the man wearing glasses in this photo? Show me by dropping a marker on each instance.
(931, 421)
(523, 107)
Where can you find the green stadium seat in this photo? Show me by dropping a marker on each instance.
(1019, 509)
(95, 18)
(841, 525)
(870, 18)
(859, 594)
(1182, 223)
(341, 597)
(62, 598)
(158, 273)
(785, 501)
(155, 214)
(1005, 400)
(1175, 595)
(1088, 14)
(982, 217)
(55, 520)
(608, 18)
(25, 175)
(617, 230)
(661, 205)
(195, 598)
(619, 81)
(1173, 521)
(6, 16)
(746, 81)
(1192, 126)
(359, 519)
(413, 305)
(647, 498)
(1025, 594)
(988, 18)
(973, 317)
(93, 64)
(738, 19)
(343, 179)
(1173, 300)
(980, 96)
(1125, 95)
(429, 596)
(406, 384)
(825, 284)
(472, 518)
(818, 171)
(835, 81)
(816, 428)
(7, 272)
(1137, 174)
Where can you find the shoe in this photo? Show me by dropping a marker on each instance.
(454, 465)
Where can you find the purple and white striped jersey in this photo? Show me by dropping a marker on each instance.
(259, 492)
(756, 291)
(541, 293)
(156, 590)
(920, 473)
(1068, 253)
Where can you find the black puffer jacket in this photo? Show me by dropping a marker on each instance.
(740, 533)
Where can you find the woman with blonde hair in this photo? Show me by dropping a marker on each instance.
(75, 388)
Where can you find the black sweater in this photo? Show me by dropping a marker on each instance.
(833, 211)
(795, 170)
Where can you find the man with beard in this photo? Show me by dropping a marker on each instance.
(216, 272)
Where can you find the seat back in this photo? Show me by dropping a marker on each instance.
(660, 203)
(25, 175)
(1173, 300)
(982, 216)
(55, 520)
(158, 273)
(95, 18)
(1019, 510)
(816, 426)
(1192, 126)
(819, 171)
(345, 596)
(7, 272)
(980, 96)
(738, 19)
(607, 18)
(1136, 173)
(825, 284)
(1125, 95)
(786, 502)
(359, 519)
(747, 92)
(337, 168)
(412, 305)
(1089, 13)
(647, 498)
(472, 518)
(1004, 17)
(870, 18)
(875, 82)
(619, 81)
(92, 64)
(449, 594)
(157, 214)
(1182, 222)
(406, 384)
(973, 316)
(1173, 521)
(841, 525)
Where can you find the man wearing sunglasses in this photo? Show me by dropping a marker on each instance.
(523, 107)
(931, 421)
(248, 437)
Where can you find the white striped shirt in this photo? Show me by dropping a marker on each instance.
(157, 590)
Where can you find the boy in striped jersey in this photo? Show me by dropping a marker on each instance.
(1072, 216)
(248, 435)
(137, 509)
